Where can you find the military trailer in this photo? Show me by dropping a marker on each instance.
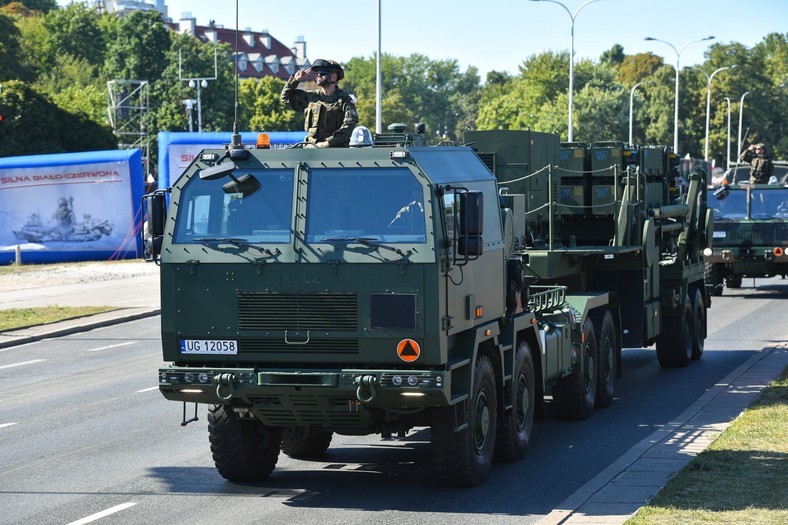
(750, 234)
(357, 291)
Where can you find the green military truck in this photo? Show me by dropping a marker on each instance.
(750, 233)
(357, 291)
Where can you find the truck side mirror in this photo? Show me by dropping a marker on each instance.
(469, 241)
(155, 214)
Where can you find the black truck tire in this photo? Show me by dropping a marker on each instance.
(607, 345)
(574, 396)
(698, 324)
(300, 443)
(713, 276)
(515, 425)
(464, 458)
(675, 341)
(243, 450)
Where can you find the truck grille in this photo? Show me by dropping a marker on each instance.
(297, 311)
(316, 345)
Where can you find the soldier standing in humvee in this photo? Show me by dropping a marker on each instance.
(330, 114)
(761, 167)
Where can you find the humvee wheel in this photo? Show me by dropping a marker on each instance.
(515, 425)
(733, 281)
(712, 276)
(243, 450)
(301, 443)
(574, 396)
(608, 358)
(464, 458)
(698, 324)
(674, 343)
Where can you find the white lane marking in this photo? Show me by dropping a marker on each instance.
(147, 389)
(103, 513)
(23, 363)
(3, 425)
(111, 346)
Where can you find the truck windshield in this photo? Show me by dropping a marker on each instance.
(385, 205)
(764, 204)
(264, 217)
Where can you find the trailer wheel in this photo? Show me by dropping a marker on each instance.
(674, 343)
(698, 324)
(713, 277)
(302, 443)
(607, 344)
(464, 458)
(515, 425)
(575, 394)
(733, 281)
(243, 450)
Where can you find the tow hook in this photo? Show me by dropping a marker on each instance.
(365, 383)
(225, 379)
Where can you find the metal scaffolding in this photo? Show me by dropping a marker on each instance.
(129, 103)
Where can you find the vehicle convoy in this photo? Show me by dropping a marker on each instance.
(373, 290)
(750, 233)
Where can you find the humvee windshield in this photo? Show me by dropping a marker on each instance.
(765, 204)
(343, 204)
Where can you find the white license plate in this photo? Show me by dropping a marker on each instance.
(209, 346)
(719, 235)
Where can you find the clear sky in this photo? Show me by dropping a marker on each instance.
(497, 34)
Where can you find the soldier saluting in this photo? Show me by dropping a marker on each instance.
(761, 167)
(329, 112)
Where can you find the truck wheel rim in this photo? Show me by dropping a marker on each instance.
(481, 422)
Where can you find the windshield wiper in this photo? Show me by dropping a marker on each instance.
(372, 243)
(241, 243)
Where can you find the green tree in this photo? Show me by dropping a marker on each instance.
(75, 30)
(44, 6)
(138, 47)
(615, 55)
(11, 60)
(261, 109)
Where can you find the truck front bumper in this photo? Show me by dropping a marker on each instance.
(329, 398)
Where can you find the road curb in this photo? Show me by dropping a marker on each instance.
(619, 491)
(37, 333)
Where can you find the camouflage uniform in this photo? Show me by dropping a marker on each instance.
(761, 167)
(330, 118)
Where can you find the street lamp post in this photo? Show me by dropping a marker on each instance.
(572, 16)
(728, 148)
(631, 100)
(741, 113)
(708, 102)
(199, 82)
(676, 103)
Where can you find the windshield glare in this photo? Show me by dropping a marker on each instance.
(765, 204)
(386, 205)
(263, 217)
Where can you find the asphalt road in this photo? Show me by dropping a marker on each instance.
(86, 437)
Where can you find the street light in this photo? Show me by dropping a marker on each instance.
(572, 17)
(631, 100)
(678, 65)
(708, 102)
(198, 82)
(189, 103)
(728, 149)
(741, 112)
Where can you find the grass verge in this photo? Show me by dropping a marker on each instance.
(740, 479)
(16, 318)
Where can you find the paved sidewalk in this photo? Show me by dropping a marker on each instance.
(617, 493)
(135, 298)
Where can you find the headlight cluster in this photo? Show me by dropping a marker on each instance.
(412, 380)
(187, 378)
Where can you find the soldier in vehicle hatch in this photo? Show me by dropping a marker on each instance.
(329, 112)
(761, 167)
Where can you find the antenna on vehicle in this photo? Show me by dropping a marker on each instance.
(237, 150)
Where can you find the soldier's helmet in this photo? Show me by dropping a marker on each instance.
(329, 65)
(62, 202)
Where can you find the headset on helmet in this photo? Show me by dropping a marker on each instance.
(330, 65)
